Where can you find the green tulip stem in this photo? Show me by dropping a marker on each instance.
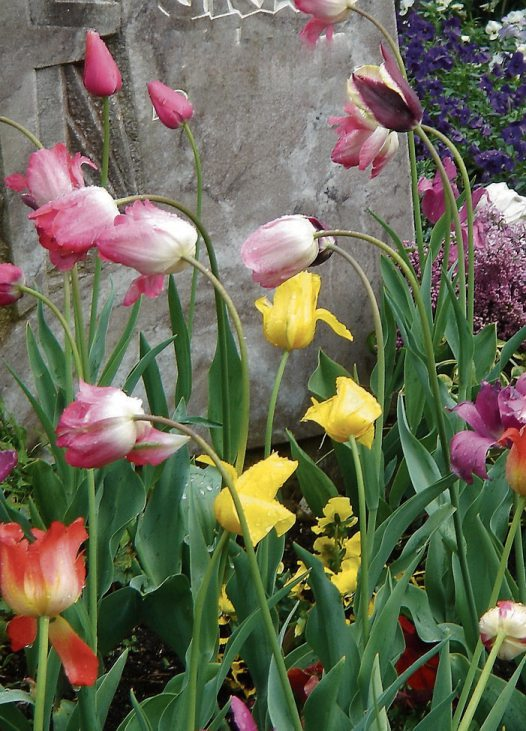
(469, 218)
(92, 580)
(219, 303)
(253, 567)
(245, 381)
(519, 556)
(20, 127)
(67, 347)
(62, 320)
(449, 196)
(273, 401)
(363, 608)
(520, 504)
(78, 315)
(482, 682)
(198, 208)
(40, 700)
(435, 390)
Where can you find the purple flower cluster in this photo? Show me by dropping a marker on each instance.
(475, 98)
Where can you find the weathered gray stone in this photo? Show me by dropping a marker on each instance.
(261, 106)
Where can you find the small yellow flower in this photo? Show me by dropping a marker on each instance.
(337, 510)
(351, 413)
(257, 488)
(345, 580)
(290, 322)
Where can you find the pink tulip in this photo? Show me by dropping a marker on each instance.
(362, 142)
(432, 191)
(8, 462)
(150, 240)
(171, 106)
(99, 427)
(325, 13)
(10, 279)
(70, 225)
(50, 174)
(383, 93)
(101, 74)
(282, 248)
(241, 715)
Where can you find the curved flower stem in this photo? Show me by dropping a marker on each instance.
(103, 180)
(450, 196)
(65, 325)
(198, 207)
(469, 216)
(220, 307)
(245, 380)
(40, 701)
(483, 681)
(252, 562)
(520, 504)
(435, 391)
(273, 401)
(364, 544)
(20, 127)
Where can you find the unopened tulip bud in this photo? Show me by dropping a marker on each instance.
(171, 106)
(11, 277)
(101, 74)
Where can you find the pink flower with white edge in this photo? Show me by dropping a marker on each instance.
(150, 240)
(100, 427)
(362, 142)
(171, 106)
(508, 617)
(325, 13)
(69, 226)
(101, 74)
(50, 174)
(282, 248)
(382, 92)
(11, 277)
(42, 578)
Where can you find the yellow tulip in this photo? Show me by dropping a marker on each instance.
(290, 322)
(351, 413)
(257, 488)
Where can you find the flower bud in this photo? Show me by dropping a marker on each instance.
(171, 106)
(101, 74)
(10, 279)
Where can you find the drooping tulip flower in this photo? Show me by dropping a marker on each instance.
(508, 617)
(257, 488)
(99, 427)
(282, 248)
(11, 277)
(432, 191)
(50, 174)
(69, 226)
(290, 322)
(382, 92)
(171, 106)
(101, 74)
(350, 413)
(362, 141)
(150, 240)
(325, 13)
(8, 462)
(42, 579)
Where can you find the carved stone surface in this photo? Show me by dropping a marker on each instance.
(261, 104)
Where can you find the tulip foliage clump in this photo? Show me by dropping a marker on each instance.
(377, 594)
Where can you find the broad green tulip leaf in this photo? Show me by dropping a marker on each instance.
(107, 686)
(484, 350)
(397, 241)
(119, 613)
(49, 491)
(492, 722)
(168, 611)
(15, 696)
(183, 354)
(439, 717)
(316, 487)
(321, 710)
(52, 348)
(380, 722)
(507, 352)
(45, 388)
(278, 708)
(149, 710)
(151, 375)
(322, 383)
(97, 337)
(117, 355)
(142, 719)
(12, 719)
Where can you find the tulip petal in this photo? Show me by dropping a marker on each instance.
(264, 479)
(468, 455)
(79, 661)
(151, 286)
(262, 515)
(22, 631)
(242, 716)
(154, 446)
(329, 319)
(8, 460)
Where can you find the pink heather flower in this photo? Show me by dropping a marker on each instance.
(101, 74)
(10, 279)
(150, 240)
(325, 13)
(99, 427)
(50, 174)
(382, 92)
(70, 225)
(282, 248)
(509, 617)
(171, 106)
(362, 142)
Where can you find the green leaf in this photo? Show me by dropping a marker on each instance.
(47, 393)
(484, 350)
(397, 241)
(149, 711)
(278, 709)
(168, 611)
(142, 719)
(107, 686)
(492, 722)
(183, 354)
(98, 345)
(203, 487)
(507, 352)
(119, 612)
(15, 696)
(316, 487)
(49, 491)
(151, 375)
(321, 710)
(322, 383)
(116, 357)
(12, 719)
(52, 348)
